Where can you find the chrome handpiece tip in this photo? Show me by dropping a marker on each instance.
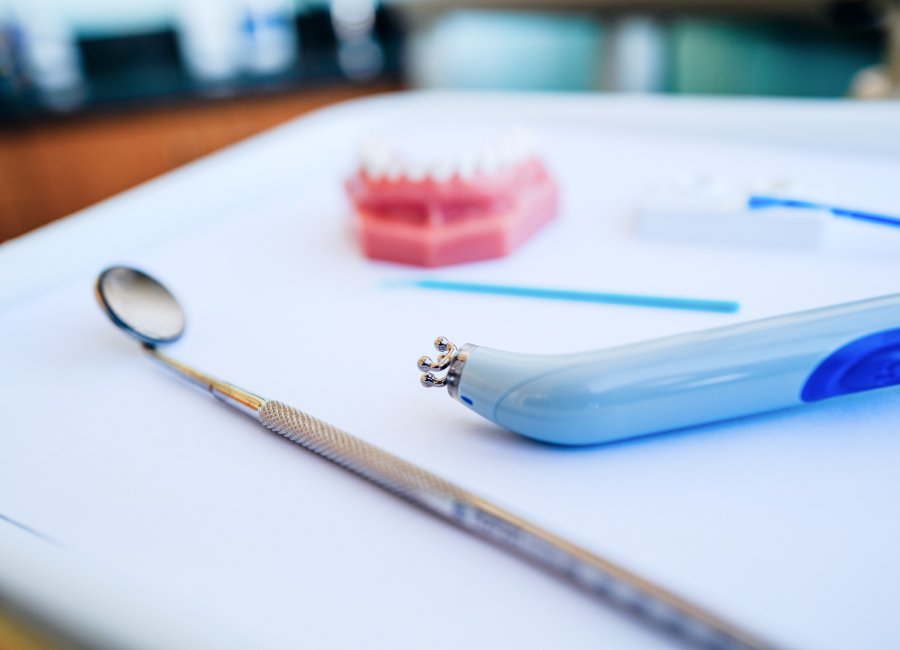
(429, 380)
(426, 364)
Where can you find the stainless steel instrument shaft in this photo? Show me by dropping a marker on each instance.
(638, 597)
(145, 309)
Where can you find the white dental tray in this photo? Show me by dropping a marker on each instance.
(161, 504)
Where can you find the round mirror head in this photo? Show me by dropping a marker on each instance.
(140, 305)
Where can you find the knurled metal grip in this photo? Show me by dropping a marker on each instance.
(644, 600)
(360, 457)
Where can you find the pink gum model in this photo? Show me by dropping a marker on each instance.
(432, 222)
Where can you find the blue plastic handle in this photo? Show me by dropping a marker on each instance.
(685, 380)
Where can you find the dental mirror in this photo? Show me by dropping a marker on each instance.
(140, 305)
(147, 311)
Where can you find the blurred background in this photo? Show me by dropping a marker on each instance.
(99, 95)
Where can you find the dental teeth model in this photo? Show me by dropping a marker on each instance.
(435, 213)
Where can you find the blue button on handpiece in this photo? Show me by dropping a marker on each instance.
(867, 363)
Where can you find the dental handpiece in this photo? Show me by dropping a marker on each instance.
(678, 381)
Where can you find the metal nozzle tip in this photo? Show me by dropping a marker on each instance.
(448, 355)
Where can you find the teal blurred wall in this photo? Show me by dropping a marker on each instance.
(758, 58)
(540, 51)
(507, 50)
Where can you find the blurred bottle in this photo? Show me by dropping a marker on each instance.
(220, 39)
(271, 39)
(210, 35)
(40, 34)
(882, 81)
(359, 54)
(12, 69)
(635, 55)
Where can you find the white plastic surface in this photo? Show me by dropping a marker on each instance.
(781, 522)
(772, 227)
(82, 600)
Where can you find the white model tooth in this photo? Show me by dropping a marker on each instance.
(516, 151)
(506, 155)
(496, 156)
(375, 166)
(416, 171)
(374, 150)
(441, 172)
(375, 153)
(394, 170)
(513, 136)
(487, 163)
(527, 152)
(374, 158)
(523, 143)
(511, 154)
(374, 169)
(467, 168)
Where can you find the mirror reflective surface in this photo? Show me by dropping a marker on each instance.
(140, 305)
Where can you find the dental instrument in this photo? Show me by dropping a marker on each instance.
(679, 381)
(147, 311)
(761, 202)
(600, 297)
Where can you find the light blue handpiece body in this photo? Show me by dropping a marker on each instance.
(685, 380)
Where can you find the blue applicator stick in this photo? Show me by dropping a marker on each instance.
(756, 202)
(631, 300)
